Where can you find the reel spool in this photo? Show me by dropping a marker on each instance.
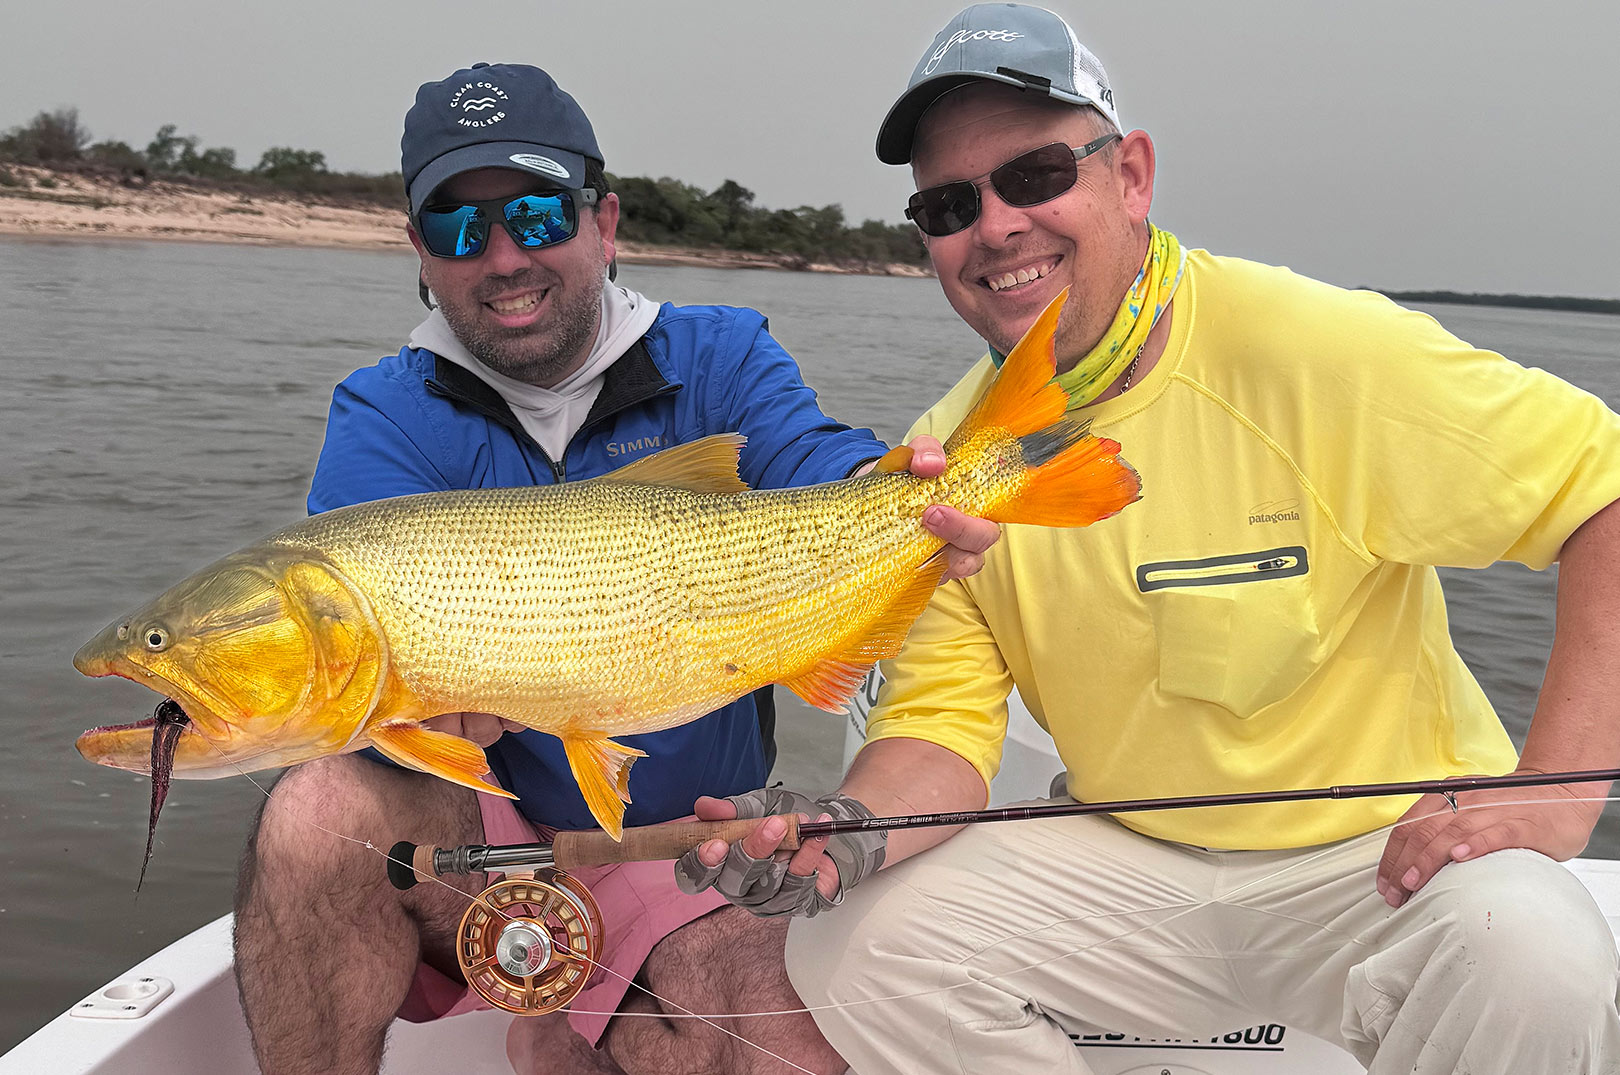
(530, 943)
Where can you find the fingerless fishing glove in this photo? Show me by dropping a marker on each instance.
(764, 886)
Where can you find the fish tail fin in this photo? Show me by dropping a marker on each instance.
(1075, 479)
(1072, 478)
(450, 757)
(601, 768)
(1023, 398)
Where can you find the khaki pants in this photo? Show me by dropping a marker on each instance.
(995, 945)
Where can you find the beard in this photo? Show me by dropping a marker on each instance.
(1073, 337)
(540, 354)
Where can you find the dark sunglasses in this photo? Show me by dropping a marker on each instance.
(1028, 179)
(532, 220)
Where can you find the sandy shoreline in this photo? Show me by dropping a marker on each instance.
(64, 205)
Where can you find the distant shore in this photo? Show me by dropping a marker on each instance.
(1533, 302)
(44, 204)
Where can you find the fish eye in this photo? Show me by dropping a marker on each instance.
(156, 638)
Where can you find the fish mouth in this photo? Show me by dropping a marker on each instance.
(148, 723)
(109, 744)
(190, 749)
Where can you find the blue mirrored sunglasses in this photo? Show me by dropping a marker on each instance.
(532, 220)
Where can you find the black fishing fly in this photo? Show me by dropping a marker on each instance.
(169, 720)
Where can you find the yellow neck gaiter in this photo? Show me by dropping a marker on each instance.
(1155, 284)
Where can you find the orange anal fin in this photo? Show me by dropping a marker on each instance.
(1022, 398)
(894, 461)
(1083, 482)
(458, 760)
(831, 682)
(601, 768)
(708, 465)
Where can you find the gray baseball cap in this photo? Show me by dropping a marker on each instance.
(1023, 46)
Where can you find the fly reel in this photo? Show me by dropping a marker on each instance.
(530, 942)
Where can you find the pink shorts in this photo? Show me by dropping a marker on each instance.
(640, 907)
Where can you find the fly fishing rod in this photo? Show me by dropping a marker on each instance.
(408, 864)
(529, 942)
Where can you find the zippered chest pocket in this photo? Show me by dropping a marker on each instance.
(1237, 630)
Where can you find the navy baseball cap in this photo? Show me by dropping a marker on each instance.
(1023, 46)
(505, 115)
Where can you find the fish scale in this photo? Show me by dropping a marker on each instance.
(466, 585)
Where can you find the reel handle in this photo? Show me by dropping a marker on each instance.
(654, 843)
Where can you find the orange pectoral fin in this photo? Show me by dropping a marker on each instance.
(601, 768)
(441, 754)
(832, 681)
(894, 461)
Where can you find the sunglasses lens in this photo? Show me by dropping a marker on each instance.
(533, 221)
(453, 231)
(541, 219)
(945, 210)
(1038, 176)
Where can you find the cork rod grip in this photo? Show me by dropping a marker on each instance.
(422, 863)
(654, 843)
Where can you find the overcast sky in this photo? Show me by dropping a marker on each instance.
(1473, 146)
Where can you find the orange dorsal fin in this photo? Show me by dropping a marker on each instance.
(458, 760)
(708, 465)
(831, 681)
(1022, 398)
(1081, 481)
(894, 461)
(601, 768)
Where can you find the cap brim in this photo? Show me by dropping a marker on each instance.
(899, 127)
(559, 166)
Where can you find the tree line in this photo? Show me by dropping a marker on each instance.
(1534, 302)
(662, 211)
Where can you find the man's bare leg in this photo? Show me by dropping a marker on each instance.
(543, 1044)
(326, 948)
(726, 961)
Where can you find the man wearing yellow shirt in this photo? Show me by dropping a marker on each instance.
(1268, 616)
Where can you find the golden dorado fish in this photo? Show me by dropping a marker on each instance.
(628, 603)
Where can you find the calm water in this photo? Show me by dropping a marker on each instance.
(166, 403)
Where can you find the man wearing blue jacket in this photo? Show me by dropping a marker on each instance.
(532, 368)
